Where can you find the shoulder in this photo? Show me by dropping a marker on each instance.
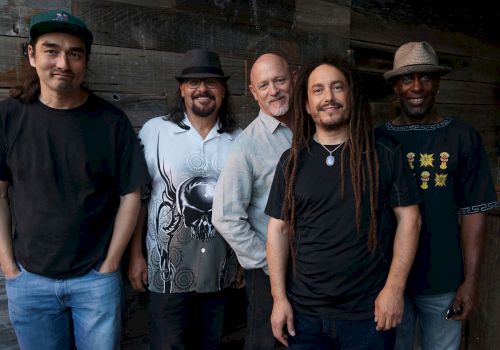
(99, 104)
(384, 141)
(10, 104)
(156, 124)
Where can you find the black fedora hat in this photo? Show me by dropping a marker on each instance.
(201, 63)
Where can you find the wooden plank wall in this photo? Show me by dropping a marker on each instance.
(139, 44)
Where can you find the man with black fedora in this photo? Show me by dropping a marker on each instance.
(188, 265)
(450, 165)
(72, 166)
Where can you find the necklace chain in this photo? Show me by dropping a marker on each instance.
(330, 159)
(333, 149)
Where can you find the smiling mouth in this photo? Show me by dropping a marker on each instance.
(416, 101)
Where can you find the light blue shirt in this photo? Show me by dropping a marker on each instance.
(243, 187)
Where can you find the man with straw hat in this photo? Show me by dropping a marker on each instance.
(449, 162)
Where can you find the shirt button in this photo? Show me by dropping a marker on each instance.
(203, 250)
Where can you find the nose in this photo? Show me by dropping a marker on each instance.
(272, 90)
(203, 86)
(62, 61)
(329, 95)
(416, 85)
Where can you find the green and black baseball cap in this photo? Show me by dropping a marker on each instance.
(60, 21)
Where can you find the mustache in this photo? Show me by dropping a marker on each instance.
(204, 94)
(276, 98)
(334, 104)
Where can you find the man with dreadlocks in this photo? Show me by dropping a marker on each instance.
(341, 198)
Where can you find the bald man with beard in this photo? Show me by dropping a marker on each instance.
(243, 187)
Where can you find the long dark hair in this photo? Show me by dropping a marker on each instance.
(176, 110)
(363, 161)
(29, 90)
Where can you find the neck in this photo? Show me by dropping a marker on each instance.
(331, 137)
(285, 119)
(63, 101)
(202, 124)
(429, 118)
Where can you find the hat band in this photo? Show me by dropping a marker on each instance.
(196, 70)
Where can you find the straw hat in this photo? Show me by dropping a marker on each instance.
(415, 57)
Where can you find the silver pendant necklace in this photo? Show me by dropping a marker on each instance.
(330, 159)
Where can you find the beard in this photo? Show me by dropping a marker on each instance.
(203, 110)
(415, 112)
(282, 108)
(332, 123)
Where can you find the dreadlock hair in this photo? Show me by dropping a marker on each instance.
(29, 90)
(363, 161)
(176, 110)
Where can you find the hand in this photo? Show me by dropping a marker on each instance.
(389, 307)
(11, 270)
(465, 296)
(239, 281)
(108, 266)
(138, 272)
(282, 315)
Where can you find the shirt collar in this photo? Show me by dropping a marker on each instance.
(213, 133)
(271, 123)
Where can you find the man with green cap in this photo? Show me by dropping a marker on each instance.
(70, 169)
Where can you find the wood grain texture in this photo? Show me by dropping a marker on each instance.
(172, 30)
(318, 16)
(120, 69)
(15, 15)
(483, 326)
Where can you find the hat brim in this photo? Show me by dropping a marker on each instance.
(201, 76)
(61, 27)
(416, 68)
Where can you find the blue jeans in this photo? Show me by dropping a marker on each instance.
(312, 333)
(436, 332)
(56, 314)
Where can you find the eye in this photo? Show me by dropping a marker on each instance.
(51, 52)
(425, 78)
(338, 87)
(317, 90)
(406, 79)
(280, 81)
(75, 55)
(262, 86)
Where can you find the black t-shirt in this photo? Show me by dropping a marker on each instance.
(451, 168)
(336, 276)
(67, 170)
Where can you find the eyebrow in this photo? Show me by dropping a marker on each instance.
(56, 46)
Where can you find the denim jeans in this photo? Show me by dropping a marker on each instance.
(49, 313)
(313, 333)
(259, 334)
(180, 321)
(436, 332)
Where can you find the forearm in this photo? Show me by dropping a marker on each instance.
(472, 237)
(277, 257)
(405, 246)
(138, 233)
(125, 222)
(7, 262)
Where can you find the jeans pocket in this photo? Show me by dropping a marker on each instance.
(16, 277)
(112, 273)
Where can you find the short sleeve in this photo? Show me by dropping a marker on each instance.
(132, 167)
(274, 207)
(475, 188)
(404, 189)
(5, 173)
